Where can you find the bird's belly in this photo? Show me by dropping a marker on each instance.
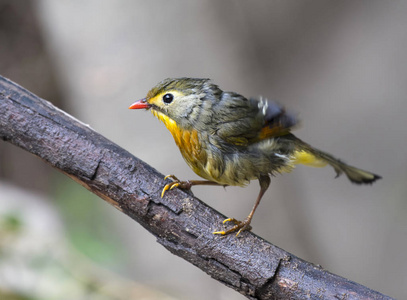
(212, 164)
(228, 171)
(224, 167)
(238, 166)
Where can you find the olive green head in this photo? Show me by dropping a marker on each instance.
(185, 85)
(182, 99)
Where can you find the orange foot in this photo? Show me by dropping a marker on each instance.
(176, 183)
(239, 226)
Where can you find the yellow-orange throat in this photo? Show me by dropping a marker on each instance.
(186, 140)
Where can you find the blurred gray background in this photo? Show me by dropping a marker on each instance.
(340, 64)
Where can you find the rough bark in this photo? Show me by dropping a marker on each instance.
(182, 223)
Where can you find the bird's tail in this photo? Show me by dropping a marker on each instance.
(307, 155)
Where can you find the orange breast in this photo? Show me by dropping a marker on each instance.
(188, 143)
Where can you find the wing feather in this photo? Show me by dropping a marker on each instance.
(242, 121)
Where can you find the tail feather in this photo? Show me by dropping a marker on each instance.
(359, 176)
(312, 157)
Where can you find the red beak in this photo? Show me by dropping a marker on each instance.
(140, 104)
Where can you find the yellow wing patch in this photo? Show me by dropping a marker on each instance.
(273, 131)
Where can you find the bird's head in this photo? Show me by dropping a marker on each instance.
(179, 99)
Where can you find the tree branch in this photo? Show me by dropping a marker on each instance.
(182, 223)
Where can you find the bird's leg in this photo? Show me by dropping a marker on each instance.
(185, 185)
(245, 225)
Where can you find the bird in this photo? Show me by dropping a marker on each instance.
(229, 140)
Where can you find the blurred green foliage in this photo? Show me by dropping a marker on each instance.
(87, 223)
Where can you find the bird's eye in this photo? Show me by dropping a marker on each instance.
(167, 98)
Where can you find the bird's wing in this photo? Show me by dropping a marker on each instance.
(242, 121)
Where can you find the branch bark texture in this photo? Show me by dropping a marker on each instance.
(182, 223)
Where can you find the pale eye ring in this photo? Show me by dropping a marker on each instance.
(167, 98)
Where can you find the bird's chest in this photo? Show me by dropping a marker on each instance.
(205, 157)
(189, 144)
(192, 150)
(210, 162)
